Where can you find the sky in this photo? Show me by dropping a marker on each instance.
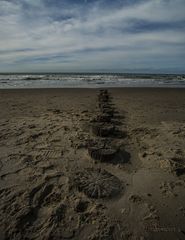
(92, 36)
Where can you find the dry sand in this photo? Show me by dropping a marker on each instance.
(65, 176)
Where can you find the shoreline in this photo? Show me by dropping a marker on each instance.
(94, 88)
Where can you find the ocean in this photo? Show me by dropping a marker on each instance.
(91, 80)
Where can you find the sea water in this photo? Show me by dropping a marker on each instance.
(90, 80)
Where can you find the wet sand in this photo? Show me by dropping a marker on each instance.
(84, 164)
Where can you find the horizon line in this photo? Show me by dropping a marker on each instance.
(96, 72)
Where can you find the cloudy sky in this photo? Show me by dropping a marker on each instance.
(92, 35)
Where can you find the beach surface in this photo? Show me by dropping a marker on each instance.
(56, 182)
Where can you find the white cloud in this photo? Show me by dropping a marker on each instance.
(42, 31)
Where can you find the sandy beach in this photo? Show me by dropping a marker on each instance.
(90, 164)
